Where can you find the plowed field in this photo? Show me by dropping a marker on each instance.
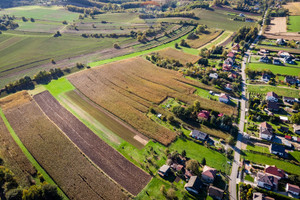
(132, 178)
(62, 160)
(130, 87)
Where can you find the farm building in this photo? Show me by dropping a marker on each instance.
(277, 150)
(198, 135)
(194, 185)
(215, 192)
(265, 131)
(209, 174)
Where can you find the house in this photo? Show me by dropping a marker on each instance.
(204, 115)
(265, 131)
(283, 54)
(231, 55)
(232, 76)
(226, 67)
(236, 47)
(164, 170)
(228, 87)
(277, 150)
(288, 137)
(272, 96)
(289, 100)
(263, 52)
(249, 20)
(295, 138)
(198, 135)
(193, 185)
(291, 80)
(187, 174)
(215, 192)
(284, 119)
(296, 128)
(289, 60)
(274, 171)
(224, 98)
(209, 174)
(261, 196)
(265, 59)
(272, 106)
(266, 181)
(214, 75)
(241, 15)
(280, 41)
(293, 189)
(287, 144)
(277, 61)
(177, 167)
(229, 60)
(265, 78)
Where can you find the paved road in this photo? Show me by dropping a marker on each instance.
(234, 179)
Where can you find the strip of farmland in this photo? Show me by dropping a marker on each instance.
(132, 178)
(182, 57)
(14, 157)
(74, 173)
(128, 89)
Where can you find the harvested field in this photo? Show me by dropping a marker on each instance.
(182, 57)
(204, 38)
(294, 8)
(278, 25)
(14, 158)
(75, 175)
(129, 176)
(128, 89)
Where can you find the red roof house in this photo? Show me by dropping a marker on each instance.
(204, 114)
(274, 171)
(208, 175)
(288, 137)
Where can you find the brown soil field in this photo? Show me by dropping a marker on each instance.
(14, 158)
(62, 160)
(204, 39)
(129, 176)
(293, 7)
(182, 57)
(128, 88)
(278, 25)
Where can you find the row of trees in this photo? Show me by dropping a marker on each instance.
(247, 34)
(7, 22)
(164, 63)
(90, 11)
(169, 14)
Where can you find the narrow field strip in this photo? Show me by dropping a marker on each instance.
(219, 40)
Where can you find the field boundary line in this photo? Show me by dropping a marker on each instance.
(29, 156)
(83, 154)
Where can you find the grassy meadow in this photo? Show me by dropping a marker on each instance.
(294, 24)
(276, 69)
(281, 91)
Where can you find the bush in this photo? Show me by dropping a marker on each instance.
(116, 46)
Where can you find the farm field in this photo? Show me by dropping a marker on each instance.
(175, 54)
(278, 25)
(132, 178)
(281, 91)
(222, 39)
(139, 88)
(294, 24)
(276, 69)
(262, 159)
(55, 153)
(294, 8)
(14, 158)
(204, 38)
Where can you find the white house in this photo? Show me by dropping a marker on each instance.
(272, 96)
(214, 75)
(224, 98)
(265, 181)
(265, 131)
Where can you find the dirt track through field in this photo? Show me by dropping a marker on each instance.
(132, 178)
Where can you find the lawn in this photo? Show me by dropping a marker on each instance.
(296, 155)
(249, 178)
(264, 89)
(262, 159)
(258, 149)
(291, 70)
(294, 24)
(59, 86)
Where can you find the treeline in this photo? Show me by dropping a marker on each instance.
(130, 5)
(11, 190)
(7, 22)
(278, 12)
(90, 11)
(248, 34)
(165, 15)
(112, 35)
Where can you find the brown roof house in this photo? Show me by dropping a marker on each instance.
(164, 170)
(266, 181)
(215, 192)
(293, 189)
(274, 171)
(272, 96)
(209, 174)
(193, 185)
(265, 131)
(261, 196)
(224, 98)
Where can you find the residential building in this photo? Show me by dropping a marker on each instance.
(296, 128)
(266, 181)
(215, 192)
(231, 55)
(177, 167)
(284, 119)
(198, 135)
(232, 76)
(228, 87)
(214, 75)
(236, 47)
(226, 67)
(263, 52)
(277, 149)
(293, 189)
(209, 174)
(224, 98)
(266, 77)
(204, 115)
(274, 171)
(193, 185)
(289, 100)
(164, 170)
(289, 60)
(272, 96)
(277, 61)
(265, 131)
(273, 106)
(265, 59)
(280, 41)
(261, 196)
(283, 54)
(291, 80)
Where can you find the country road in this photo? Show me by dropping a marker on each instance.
(234, 179)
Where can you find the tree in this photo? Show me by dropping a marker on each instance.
(183, 153)
(193, 166)
(200, 29)
(295, 118)
(14, 194)
(116, 46)
(203, 162)
(171, 194)
(197, 107)
(176, 45)
(296, 106)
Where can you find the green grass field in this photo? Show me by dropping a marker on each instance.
(291, 70)
(262, 159)
(296, 155)
(59, 86)
(294, 24)
(219, 40)
(258, 149)
(249, 178)
(264, 89)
